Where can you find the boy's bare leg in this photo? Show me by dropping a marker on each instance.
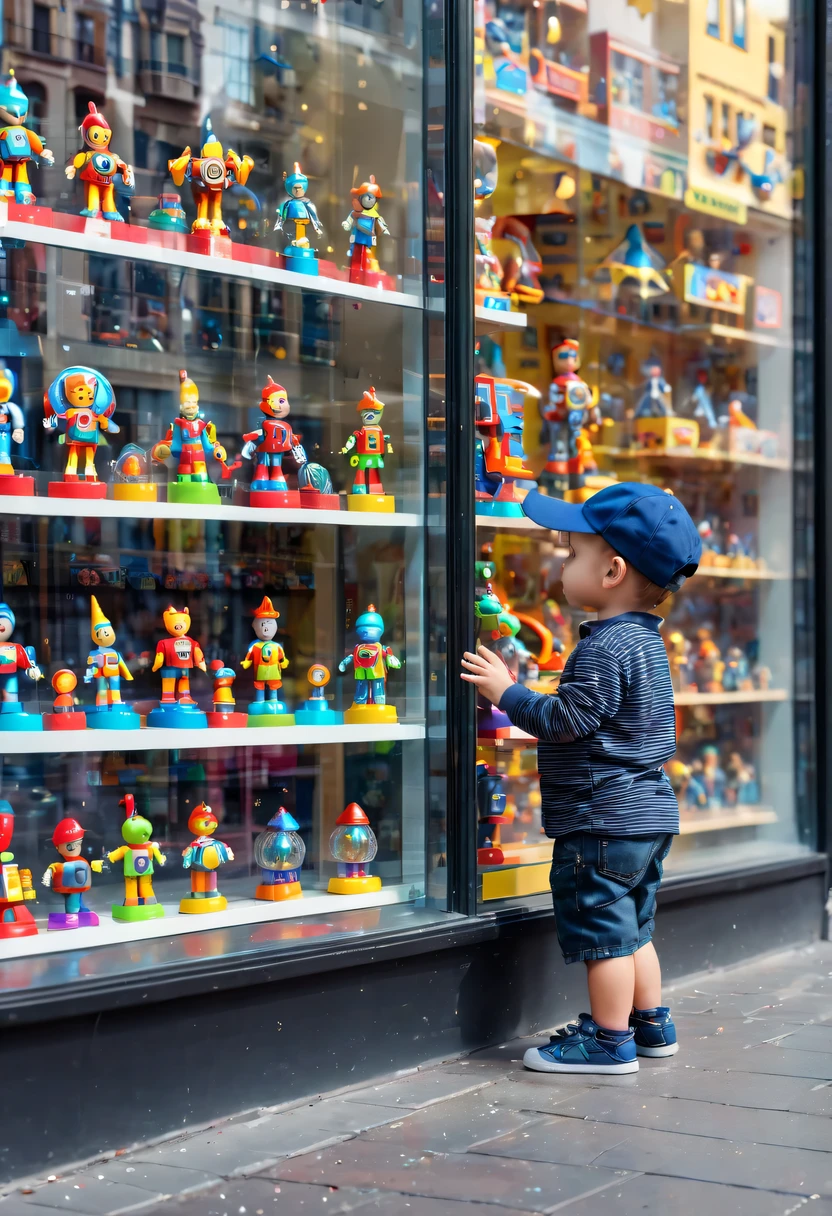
(648, 978)
(611, 983)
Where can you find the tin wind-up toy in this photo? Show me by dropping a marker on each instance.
(12, 430)
(279, 852)
(19, 145)
(83, 402)
(569, 409)
(224, 713)
(269, 661)
(106, 666)
(191, 439)
(16, 888)
(353, 844)
(96, 166)
(138, 854)
(65, 713)
(15, 658)
(202, 858)
(316, 711)
(363, 224)
(268, 445)
(176, 657)
(368, 446)
(298, 213)
(499, 458)
(370, 661)
(209, 175)
(71, 877)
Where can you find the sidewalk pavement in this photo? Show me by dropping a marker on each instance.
(739, 1122)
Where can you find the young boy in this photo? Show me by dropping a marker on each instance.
(604, 737)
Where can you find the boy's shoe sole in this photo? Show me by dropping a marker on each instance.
(669, 1049)
(535, 1061)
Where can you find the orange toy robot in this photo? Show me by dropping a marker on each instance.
(209, 174)
(96, 166)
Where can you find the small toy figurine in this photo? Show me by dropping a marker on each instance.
(12, 430)
(370, 661)
(18, 145)
(279, 852)
(177, 656)
(65, 715)
(269, 660)
(492, 723)
(209, 174)
(84, 401)
(15, 884)
(300, 212)
(370, 443)
(139, 853)
(316, 711)
(71, 877)
(709, 666)
(191, 439)
(353, 844)
(522, 266)
(272, 440)
(741, 787)
(361, 223)
(15, 658)
(701, 403)
(488, 269)
(656, 394)
(737, 674)
(131, 476)
(96, 166)
(203, 857)
(491, 808)
(634, 266)
(679, 654)
(687, 787)
(224, 713)
(711, 775)
(499, 458)
(168, 215)
(569, 409)
(106, 667)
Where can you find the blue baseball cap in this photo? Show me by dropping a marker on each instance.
(649, 528)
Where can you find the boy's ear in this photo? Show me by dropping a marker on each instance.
(616, 573)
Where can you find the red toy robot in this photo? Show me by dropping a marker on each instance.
(569, 408)
(362, 224)
(272, 440)
(15, 885)
(96, 166)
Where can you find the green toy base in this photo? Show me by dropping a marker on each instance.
(271, 720)
(137, 912)
(194, 492)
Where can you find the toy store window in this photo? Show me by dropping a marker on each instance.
(738, 23)
(713, 18)
(627, 81)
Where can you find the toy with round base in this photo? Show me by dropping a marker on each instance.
(268, 445)
(16, 888)
(71, 877)
(168, 215)
(18, 145)
(269, 661)
(105, 667)
(203, 857)
(499, 458)
(353, 844)
(570, 408)
(370, 661)
(491, 808)
(96, 166)
(298, 213)
(131, 476)
(192, 440)
(316, 711)
(176, 657)
(209, 175)
(64, 714)
(363, 224)
(15, 658)
(138, 854)
(83, 401)
(224, 713)
(279, 852)
(368, 446)
(12, 429)
(492, 626)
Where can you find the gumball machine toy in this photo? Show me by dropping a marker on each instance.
(353, 844)
(279, 852)
(84, 402)
(15, 884)
(132, 481)
(315, 711)
(203, 857)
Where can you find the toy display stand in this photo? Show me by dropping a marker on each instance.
(371, 502)
(114, 717)
(195, 907)
(300, 261)
(490, 856)
(312, 500)
(371, 278)
(199, 493)
(136, 912)
(261, 497)
(316, 712)
(501, 508)
(371, 715)
(493, 724)
(18, 720)
(76, 719)
(208, 245)
(77, 489)
(23, 924)
(277, 891)
(269, 713)
(177, 715)
(136, 491)
(16, 484)
(71, 920)
(233, 719)
(354, 886)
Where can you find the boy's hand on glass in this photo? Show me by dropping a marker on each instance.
(488, 671)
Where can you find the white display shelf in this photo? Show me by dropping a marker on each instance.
(511, 523)
(750, 696)
(694, 455)
(22, 742)
(723, 819)
(740, 574)
(174, 923)
(496, 318)
(107, 508)
(92, 242)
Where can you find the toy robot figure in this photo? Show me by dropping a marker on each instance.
(224, 713)
(701, 402)
(15, 884)
(65, 714)
(353, 844)
(209, 174)
(491, 808)
(498, 456)
(203, 857)
(737, 674)
(192, 440)
(492, 628)
(106, 666)
(315, 711)
(96, 166)
(656, 394)
(274, 439)
(71, 877)
(18, 145)
(15, 658)
(300, 212)
(269, 661)
(177, 656)
(139, 853)
(279, 852)
(569, 409)
(370, 661)
(361, 224)
(370, 444)
(83, 400)
(12, 430)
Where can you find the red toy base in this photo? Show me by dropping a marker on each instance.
(314, 501)
(274, 498)
(18, 928)
(77, 720)
(235, 719)
(17, 484)
(77, 489)
(210, 246)
(490, 857)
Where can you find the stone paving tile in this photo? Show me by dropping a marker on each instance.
(256, 1195)
(156, 1177)
(532, 1186)
(798, 1009)
(513, 1094)
(236, 1148)
(754, 1090)
(650, 1194)
(562, 1141)
(393, 1204)
(814, 1065)
(418, 1090)
(810, 1038)
(453, 1126)
(344, 1115)
(83, 1195)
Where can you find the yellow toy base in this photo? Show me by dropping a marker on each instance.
(213, 903)
(365, 715)
(278, 891)
(371, 502)
(140, 491)
(670, 432)
(354, 886)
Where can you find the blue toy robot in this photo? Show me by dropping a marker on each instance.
(11, 420)
(370, 660)
(300, 212)
(14, 658)
(18, 145)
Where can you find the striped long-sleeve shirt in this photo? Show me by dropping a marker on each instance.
(605, 734)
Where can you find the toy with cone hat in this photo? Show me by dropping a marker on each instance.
(12, 430)
(269, 444)
(202, 858)
(269, 661)
(298, 213)
(316, 711)
(209, 174)
(192, 440)
(139, 854)
(65, 715)
(279, 852)
(71, 877)
(96, 166)
(224, 713)
(15, 658)
(353, 844)
(16, 888)
(18, 144)
(81, 401)
(176, 657)
(363, 224)
(370, 661)
(366, 448)
(634, 265)
(105, 667)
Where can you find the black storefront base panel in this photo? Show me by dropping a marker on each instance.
(142, 1069)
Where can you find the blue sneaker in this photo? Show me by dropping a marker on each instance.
(654, 1032)
(584, 1047)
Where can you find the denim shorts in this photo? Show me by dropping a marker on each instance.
(604, 892)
